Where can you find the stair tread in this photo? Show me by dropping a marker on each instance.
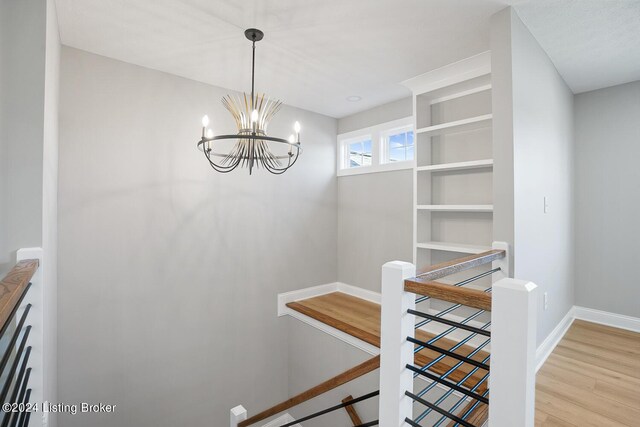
(477, 417)
(361, 319)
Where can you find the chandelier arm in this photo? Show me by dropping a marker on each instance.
(278, 171)
(249, 136)
(218, 168)
(295, 145)
(212, 163)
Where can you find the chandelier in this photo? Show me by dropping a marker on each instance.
(251, 146)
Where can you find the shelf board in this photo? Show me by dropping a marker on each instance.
(454, 247)
(456, 208)
(474, 164)
(464, 125)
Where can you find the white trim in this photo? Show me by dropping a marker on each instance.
(384, 167)
(453, 247)
(513, 353)
(460, 94)
(237, 415)
(328, 288)
(614, 320)
(365, 294)
(466, 69)
(545, 349)
(474, 164)
(316, 291)
(397, 352)
(456, 208)
(342, 336)
(282, 419)
(620, 321)
(463, 125)
(305, 293)
(405, 121)
(376, 133)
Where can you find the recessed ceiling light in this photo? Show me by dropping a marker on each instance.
(354, 98)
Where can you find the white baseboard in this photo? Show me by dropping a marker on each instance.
(300, 294)
(315, 291)
(328, 288)
(361, 293)
(609, 319)
(281, 420)
(545, 349)
(587, 314)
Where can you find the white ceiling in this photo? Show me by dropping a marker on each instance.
(593, 43)
(315, 54)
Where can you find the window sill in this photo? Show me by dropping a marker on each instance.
(386, 167)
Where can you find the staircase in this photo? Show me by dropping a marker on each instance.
(438, 339)
(361, 319)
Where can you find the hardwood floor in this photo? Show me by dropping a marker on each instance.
(592, 378)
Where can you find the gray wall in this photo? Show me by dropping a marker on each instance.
(29, 83)
(607, 124)
(542, 137)
(375, 211)
(314, 357)
(22, 61)
(384, 113)
(168, 270)
(375, 225)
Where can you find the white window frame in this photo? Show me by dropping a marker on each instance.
(344, 147)
(378, 135)
(384, 143)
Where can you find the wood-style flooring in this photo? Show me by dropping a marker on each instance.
(592, 379)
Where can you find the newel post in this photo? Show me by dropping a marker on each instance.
(395, 351)
(513, 354)
(238, 414)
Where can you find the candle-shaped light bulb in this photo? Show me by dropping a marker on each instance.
(205, 121)
(296, 127)
(254, 116)
(209, 133)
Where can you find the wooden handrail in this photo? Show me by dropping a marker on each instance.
(459, 295)
(343, 378)
(13, 287)
(443, 269)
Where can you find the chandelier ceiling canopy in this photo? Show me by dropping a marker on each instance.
(251, 147)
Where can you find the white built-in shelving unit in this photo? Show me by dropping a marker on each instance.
(453, 176)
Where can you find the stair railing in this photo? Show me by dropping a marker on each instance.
(21, 333)
(509, 333)
(239, 413)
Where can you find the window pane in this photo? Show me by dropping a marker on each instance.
(400, 146)
(360, 153)
(397, 154)
(396, 141)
